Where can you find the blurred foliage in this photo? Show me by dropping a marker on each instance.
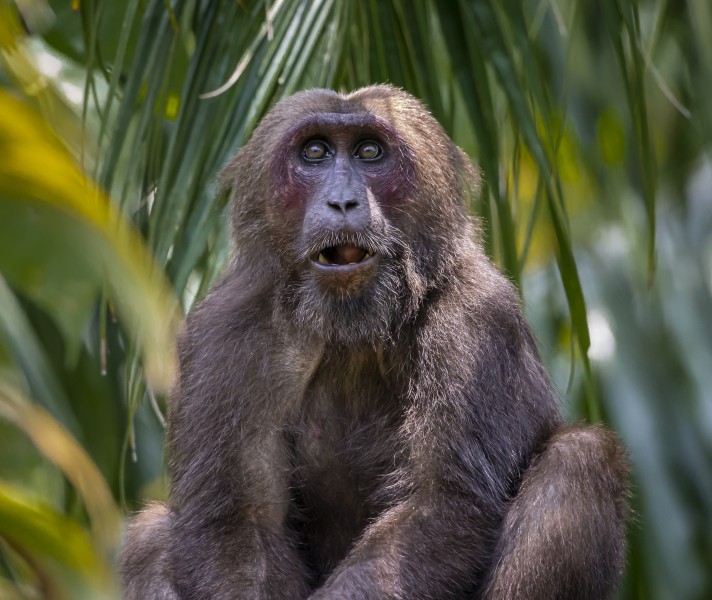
(591, 123)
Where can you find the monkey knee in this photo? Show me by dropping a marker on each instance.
(591, 457)
(577, 489)
(148, 528)
(563, 535)
(144, 562)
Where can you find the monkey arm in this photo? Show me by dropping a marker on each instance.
(417, 549)
(229, 465)
(229, 537)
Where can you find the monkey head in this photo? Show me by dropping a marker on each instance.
(348, 184)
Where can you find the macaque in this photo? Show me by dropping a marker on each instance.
(362, 412)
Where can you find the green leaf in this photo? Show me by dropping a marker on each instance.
(43, 533)
(85, 243)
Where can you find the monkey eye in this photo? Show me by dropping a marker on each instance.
(368, 150)
(315, 150)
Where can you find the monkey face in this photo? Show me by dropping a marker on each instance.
(361, 199)
(340, 187)
(340, 182)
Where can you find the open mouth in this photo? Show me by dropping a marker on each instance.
(341, 256)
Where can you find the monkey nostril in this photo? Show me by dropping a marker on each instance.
(343, 205)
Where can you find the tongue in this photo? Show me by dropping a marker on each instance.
(345, 255)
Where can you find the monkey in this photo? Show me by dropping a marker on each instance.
(361, 409)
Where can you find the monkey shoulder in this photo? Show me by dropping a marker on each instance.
(476, 348)
(475, 309)
(226, 351)
(234, 313)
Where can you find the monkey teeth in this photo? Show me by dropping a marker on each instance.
(339, 256)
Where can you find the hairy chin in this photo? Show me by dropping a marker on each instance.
(372, 314)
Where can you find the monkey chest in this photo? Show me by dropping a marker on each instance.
(344, 449)
(344, 446)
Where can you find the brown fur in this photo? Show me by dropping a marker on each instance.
(385, 431)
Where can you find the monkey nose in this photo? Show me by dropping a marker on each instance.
(343, 204)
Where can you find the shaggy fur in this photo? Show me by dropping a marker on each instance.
(383, 431)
